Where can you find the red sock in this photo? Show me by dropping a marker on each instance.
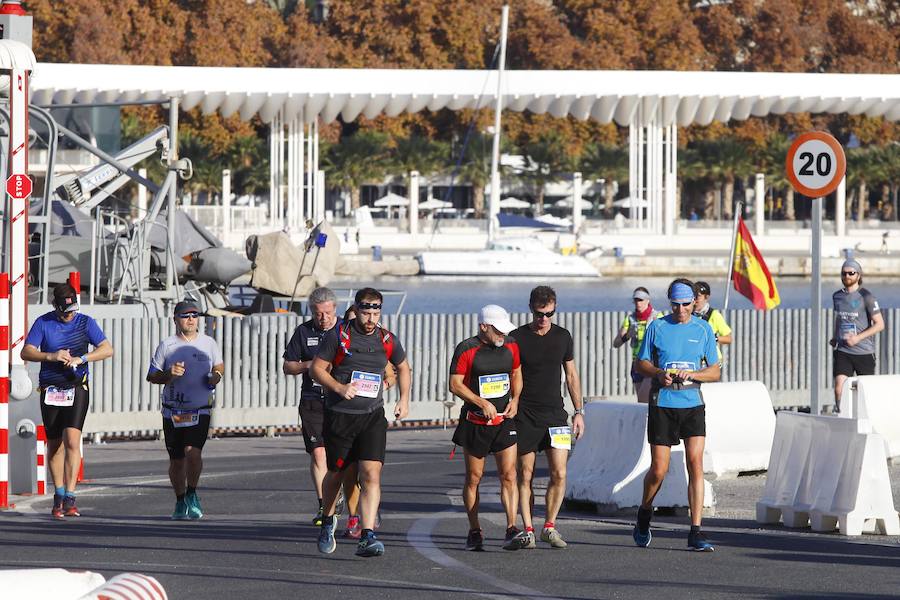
(529, 530)
(548, 525)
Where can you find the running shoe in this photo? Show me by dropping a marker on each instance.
(641, 538)
(515, 539)
(475, 541)
(369, 546)
(195, 511)
(57, 511)
(69, 508)
(530, 543)
(319, 519)
(181, 511)
(354, 530)
(641, 533)
(698, 542)
(552, 537)
(327, 543)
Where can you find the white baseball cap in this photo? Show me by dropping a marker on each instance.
(496, 316)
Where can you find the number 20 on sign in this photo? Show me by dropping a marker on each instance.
(815, 164)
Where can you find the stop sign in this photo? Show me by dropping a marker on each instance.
(18, 186)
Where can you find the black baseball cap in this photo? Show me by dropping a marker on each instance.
(187, 305)
(64, 298)
(702, 288)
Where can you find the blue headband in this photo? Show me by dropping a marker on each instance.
(681, 293)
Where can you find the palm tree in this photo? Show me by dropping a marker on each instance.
(546, 159)
(771, 160)
(607, 162)
(417, 153)
(357, 159)
(885, 166)
(475, 168)
(859, 173)
(726, 159)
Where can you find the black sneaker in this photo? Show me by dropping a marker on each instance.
(699, 543)
(475, 541)
(319, 519)
(515, 539)
(641, 532)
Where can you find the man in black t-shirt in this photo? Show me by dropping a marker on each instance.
(350, 366)
(298, 358)
(485, 374)
(542, 421)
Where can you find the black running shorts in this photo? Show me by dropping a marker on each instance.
(58, 418)
(481, 440)
(179, 438)
(312, 418)
(350, 438)
(667, 426)
(533, 428)
(852, 364)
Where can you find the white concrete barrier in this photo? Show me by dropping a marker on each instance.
(608, 464)
(875, 398)
(58, 584)
(828, 472)
(128, 586)
(740, 427)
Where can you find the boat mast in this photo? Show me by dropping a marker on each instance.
(494, 208)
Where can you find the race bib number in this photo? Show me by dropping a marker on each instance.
(57, 397)
(561, 437)
(848, 329)
(674, 366)
(366, 384)
(493, 386)
(186, 418)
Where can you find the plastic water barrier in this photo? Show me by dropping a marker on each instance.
(740, 426)
(62, 584)
(828, 472)
(609, 462)
(874, 397)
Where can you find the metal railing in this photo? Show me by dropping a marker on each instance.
(772, 347)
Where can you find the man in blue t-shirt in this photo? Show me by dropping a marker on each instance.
(679, 353)
(60, 341)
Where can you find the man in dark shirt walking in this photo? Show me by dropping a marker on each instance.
(542, 422)
(350, 366)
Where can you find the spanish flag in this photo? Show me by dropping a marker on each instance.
(750, 274)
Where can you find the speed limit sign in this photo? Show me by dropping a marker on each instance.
(815, 164)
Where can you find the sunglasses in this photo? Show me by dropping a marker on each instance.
(682, 303)
(368, 306)
(189, 315)
(540, 314)
(848, 273)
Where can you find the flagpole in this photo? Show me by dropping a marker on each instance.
(739, 208)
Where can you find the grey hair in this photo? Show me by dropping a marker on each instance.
(321, 295)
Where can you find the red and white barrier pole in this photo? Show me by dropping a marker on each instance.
(41, 463)
(4, 390)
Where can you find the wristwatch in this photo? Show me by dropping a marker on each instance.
(579, 411)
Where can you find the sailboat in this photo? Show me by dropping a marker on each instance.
(506, 256)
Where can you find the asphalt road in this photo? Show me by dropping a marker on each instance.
(256, 539)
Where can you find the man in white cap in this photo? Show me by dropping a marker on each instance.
(857, 319)
(679, 352)
(486, 375)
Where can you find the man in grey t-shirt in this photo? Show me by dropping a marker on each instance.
(189, 366)
(857, 318)
(350, 366)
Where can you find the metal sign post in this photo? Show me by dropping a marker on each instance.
(815, 166)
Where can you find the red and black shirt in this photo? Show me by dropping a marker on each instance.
(486, 369)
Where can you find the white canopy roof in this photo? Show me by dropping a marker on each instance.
(684, 97)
